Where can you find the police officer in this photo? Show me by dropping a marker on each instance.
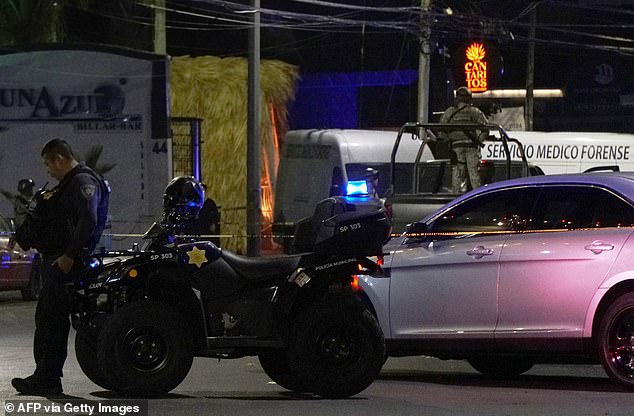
(465, 143)
(76, 215)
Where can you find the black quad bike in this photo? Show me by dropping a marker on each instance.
(142, 315)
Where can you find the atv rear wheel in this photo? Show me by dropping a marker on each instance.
(275, 365)
(145, 349)
(336, 347)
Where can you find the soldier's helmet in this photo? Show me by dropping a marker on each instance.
(464, 92)
(182, 200)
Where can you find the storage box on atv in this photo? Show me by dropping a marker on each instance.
(344, 226)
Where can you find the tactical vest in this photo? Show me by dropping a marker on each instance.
(47, 227)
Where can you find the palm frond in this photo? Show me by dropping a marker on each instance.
(91, 159)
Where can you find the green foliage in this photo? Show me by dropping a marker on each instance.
(91, 159)
(28, 22)
(24, 22)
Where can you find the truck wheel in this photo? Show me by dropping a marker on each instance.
(87, 359)
(501, 367)
(145, 349)
(616, 341)
(336, 347)
(275, 365)
(34, 287)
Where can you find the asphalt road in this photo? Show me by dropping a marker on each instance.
(407, 386)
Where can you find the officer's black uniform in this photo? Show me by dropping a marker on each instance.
(78, 208)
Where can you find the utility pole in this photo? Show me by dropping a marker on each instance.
(160, 42)
(530, 71)
(254, 148)
(424, 58)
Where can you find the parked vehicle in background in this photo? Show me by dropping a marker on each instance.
(19, 269)
(316, 164)
(567, 152)
(518, 272)
(425, 185)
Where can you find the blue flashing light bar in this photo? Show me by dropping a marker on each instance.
(357, 188)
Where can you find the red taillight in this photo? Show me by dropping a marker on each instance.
(354, 284)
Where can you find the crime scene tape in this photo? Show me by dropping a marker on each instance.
(392, 235)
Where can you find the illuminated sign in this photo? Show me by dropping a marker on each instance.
(475, 68)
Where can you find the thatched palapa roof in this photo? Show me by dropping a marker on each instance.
(215, 90)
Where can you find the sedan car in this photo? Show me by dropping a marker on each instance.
(19, 269)
(530, 270)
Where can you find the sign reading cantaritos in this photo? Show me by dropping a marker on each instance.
(475, 67)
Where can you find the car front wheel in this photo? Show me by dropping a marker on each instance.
(616, 341)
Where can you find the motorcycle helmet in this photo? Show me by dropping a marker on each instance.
(182, 200)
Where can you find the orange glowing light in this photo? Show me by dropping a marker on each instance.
(354, 284)
(476, 52)
(476, 68)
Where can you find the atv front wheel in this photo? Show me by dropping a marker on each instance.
(145, 349)
(87, 359)
(336, 347)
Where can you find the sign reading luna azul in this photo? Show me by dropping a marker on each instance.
(104, 98)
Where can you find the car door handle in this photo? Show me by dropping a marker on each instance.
(479, 252)
(598, 247)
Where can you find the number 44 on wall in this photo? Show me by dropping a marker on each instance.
(160, 147)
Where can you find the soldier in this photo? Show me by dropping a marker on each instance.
(71, 219)
(465, 143)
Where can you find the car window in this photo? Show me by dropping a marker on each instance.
(503, 210)
(570, 207)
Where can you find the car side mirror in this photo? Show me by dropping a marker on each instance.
(417, 230)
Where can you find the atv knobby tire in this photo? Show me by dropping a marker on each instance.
(335, 347)
(275, 365)
(145, 349)
(87, 358)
